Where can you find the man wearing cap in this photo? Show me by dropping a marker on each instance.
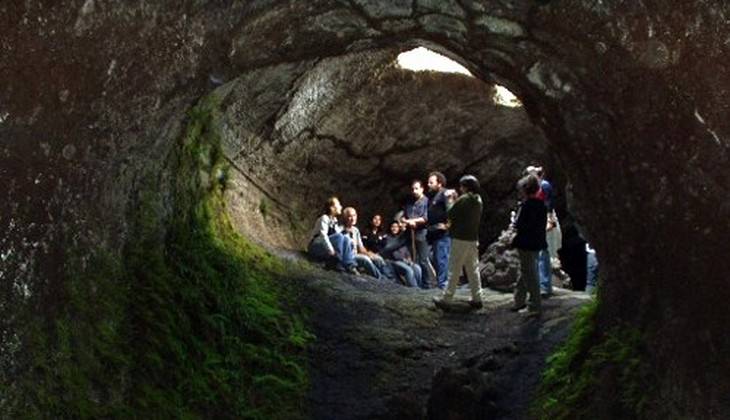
(463, 221)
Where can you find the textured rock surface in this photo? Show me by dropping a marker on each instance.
(359, 127)
(392, 365)
(632, 96)
(499, 266)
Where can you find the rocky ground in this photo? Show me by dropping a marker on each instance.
(384, 351)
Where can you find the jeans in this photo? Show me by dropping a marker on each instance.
(464, 255)
(367, 264)
(411, 272)
(441, 248)
(342, 244)
(422, 252)
(528, 282)
(591, 272)
(546, 271)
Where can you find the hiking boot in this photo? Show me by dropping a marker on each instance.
(518, 308)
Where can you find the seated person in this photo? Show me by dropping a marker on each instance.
(399, 257)
(368, 261)
(374, 236)
(328, 244)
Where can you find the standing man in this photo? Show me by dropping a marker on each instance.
(415, 216)
(545, 193)
(438, 234)
(463, 221)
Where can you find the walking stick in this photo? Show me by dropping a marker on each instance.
(413, 245)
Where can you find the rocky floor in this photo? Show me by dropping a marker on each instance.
(384, 351)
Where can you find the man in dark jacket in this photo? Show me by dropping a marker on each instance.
(438, 234)
(464, 217)
(529, 241)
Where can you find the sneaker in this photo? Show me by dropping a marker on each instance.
(441, 303)
(476, 304)
(353, 270)
(518, 308)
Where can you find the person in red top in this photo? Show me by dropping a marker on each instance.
(529, 241)
(552, 227)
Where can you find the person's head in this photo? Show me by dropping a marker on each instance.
(333, 207)
(376, 221)
(529, 185)
(468, 184)
(451, 196)
(417, 188)
(436, 181)
(394, 227)
(537, 171)
(350, 216)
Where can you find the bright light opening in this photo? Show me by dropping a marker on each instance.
(423, 59)
(502, 96)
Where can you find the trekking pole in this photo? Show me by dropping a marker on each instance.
(413, 245)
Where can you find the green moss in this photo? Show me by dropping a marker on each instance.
(264, 207)
(190, 322)
(595, 371)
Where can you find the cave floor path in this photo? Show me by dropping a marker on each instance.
(379, 347)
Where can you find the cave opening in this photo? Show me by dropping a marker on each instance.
(361, 126)
(423, 59)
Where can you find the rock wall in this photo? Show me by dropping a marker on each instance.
(361, 128)
(632, 97)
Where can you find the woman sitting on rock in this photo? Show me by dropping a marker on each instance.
(374, 236)
(399, 257)
(328, 244)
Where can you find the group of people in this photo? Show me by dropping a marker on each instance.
(435, 237)
(432, 238)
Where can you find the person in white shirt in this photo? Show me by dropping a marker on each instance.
(327, 242)
(368, 261)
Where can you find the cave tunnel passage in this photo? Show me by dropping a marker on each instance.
(630, 97)
(361, 127)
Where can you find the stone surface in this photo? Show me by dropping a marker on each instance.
(411, 360)
(362, 129)
(499, 266)
(632, 97)
(380, 9)
(499, 26)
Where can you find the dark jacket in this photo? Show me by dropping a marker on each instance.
(464, 216)
(437, 214)
(373, 241)
(531, 222)
(396, 247)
